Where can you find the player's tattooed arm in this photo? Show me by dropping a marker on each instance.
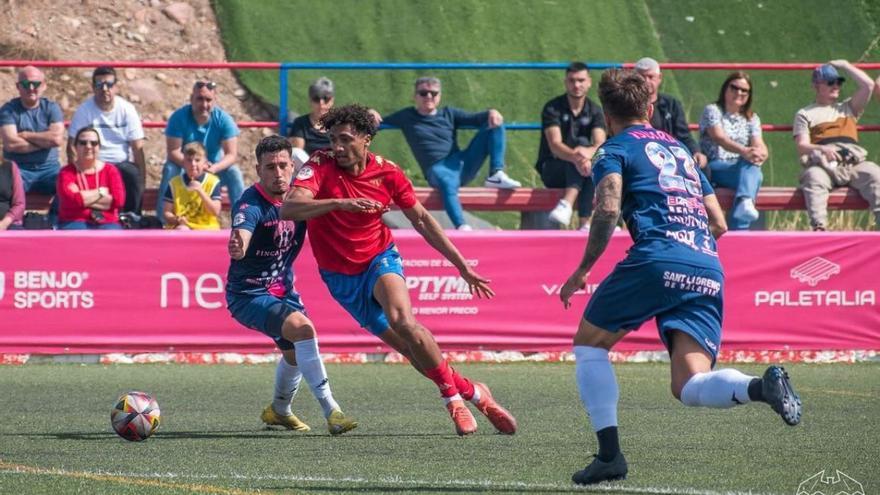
(717, 223)
(605, 216)
(300, 204)
(239, 240)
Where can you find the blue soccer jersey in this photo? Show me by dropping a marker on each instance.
(663, 191)
(267, 267)
(672, 272)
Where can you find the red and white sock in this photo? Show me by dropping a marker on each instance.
(444, 378)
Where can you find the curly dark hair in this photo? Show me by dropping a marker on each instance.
(273, 144)
(358, 116)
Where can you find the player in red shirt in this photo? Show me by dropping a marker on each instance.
(342, 192)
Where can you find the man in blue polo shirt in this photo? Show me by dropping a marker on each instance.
(203, 121)
(431, 131)
(32, 128)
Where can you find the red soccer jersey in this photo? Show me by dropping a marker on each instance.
(346, 242)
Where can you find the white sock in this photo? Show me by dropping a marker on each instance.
(287, 378)
(597, 385)
(719, 389)
(309, 362)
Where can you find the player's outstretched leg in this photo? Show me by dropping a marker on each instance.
(695, 384)
(421, 348)
(279, 413)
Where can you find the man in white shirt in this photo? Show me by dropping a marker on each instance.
(122, 135)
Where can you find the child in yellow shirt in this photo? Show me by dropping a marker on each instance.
(192, 200)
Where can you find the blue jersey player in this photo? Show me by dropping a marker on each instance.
(260, 293)
(671, 274)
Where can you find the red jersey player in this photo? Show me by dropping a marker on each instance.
(342, 192)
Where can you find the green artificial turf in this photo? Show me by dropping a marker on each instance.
(55, 434)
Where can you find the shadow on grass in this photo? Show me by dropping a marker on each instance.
(219, 434)
(416, 488)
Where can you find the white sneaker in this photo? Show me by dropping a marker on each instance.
(746, 210)
(465, 227)
(501, 180)
(561, 213)
(584, 228)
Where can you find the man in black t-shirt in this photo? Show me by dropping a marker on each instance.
(573, 128)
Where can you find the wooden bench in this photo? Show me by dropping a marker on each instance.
(534, 203)
(472, 198)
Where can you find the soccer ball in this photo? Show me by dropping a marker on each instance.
(135, 416)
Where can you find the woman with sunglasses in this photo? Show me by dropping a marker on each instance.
(90, 191)
(305, 133)
(730, 137)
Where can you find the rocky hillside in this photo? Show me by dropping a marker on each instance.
(127, 30)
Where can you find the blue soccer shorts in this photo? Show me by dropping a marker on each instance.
(265, 313)
(355, 292)
(681, 297)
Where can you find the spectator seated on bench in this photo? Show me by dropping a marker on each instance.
(11, 196)
(90, 192)
(730, 137)
(827, 139)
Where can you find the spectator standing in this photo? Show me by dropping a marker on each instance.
(669, 113)
(306, 134)
(730, 136)
(193, 197)
(827, 139)
(203, 121)
(90, 191)
(431, 132)
(32, 129)
(572, 129)
(11, 196)
(122, 134)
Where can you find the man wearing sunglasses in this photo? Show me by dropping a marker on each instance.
(431, 131)
(827, 139)
(122, 135)
(203, 121)
(32, 129)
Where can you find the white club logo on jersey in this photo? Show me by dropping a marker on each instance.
(305, 173)
(238, 220)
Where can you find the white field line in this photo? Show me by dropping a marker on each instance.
(396, 481)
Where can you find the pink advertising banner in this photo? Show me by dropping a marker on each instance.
(103, 292)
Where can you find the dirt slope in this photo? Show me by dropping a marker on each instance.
(127, 30)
